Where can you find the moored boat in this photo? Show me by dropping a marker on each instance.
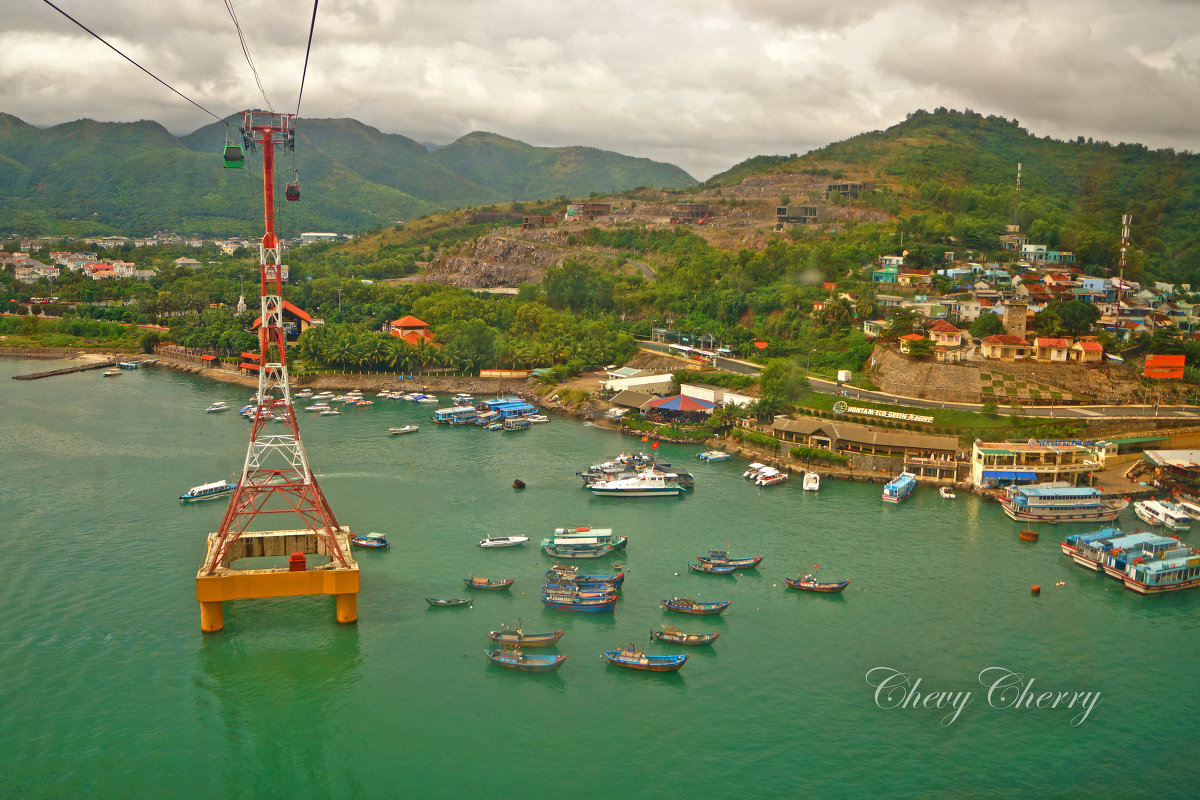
(669, 633)
(110, 373)
(488, 584)
(714, 455)
(448, 602)
(1059, 502)
(1161, 512)
(899, 487)
(812, 482)
(647, 483)
(712, 569)
(947, 492)
(220, 405)
(1144, 562)
(770, 476)
(723, 557)
(515, 424)
(685, 605)
(631, 657)
(516, 637)
(567, 598)
(207, 490)
(373, 540)
(564, 573)
(517, 659)
(402, 429)
(503, 541)
(810, 584)
(752, 470)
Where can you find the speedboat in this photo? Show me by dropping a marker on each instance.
(318, 407)
(947, 492)
(403, 429)
(503, 541)
(812, 482)
(769, 476)
(714, 455)
(330, 412)
(220, 405)
(108, 373)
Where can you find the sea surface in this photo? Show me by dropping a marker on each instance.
(109, 689)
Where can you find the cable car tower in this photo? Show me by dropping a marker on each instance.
(276, 476)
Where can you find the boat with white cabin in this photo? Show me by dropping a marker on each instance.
(1161, 512)
(647, 483)
(812, 482)
(899, 487)
(1059, 501)
(769, 476)
(206, 491)
(220, 405)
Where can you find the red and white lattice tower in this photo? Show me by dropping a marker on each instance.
(276, 476)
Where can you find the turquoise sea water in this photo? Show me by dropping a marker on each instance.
(111, 690)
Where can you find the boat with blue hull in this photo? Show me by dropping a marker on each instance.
(810, 584)
(207, 491)
(566, 598)
(685, 605)
(1060, 501)
(712, 569)
(899, 487)
(631, 657)
(563, 573)
(517, 659)
(672, 635)
(516, 637)
(722, 557)
(375, 540)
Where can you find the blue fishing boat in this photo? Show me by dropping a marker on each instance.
(669, 633)
(566, 598)
(712, 569)
(810, 584)
(375, 540)
(488, 584)
(686, 605)
(631, 657)
(570, 574)
(899, 487)
(723, 558)
(206, 491)
(517, 659)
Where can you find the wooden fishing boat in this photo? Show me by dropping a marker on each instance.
(515, 658)
(488, 583)
(572, 599)
(516, 637)
(1028, 535)
(712, 569)
(570, 573)
(669, 633)
(438, 602)
(810, 584)
(631, 657)
(376, 540)
(686, 605)
(723, 557)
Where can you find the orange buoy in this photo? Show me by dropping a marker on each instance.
(1035, 589)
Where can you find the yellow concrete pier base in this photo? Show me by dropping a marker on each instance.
(225, 583)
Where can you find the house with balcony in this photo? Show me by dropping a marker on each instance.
(944, 334)
(995, 464)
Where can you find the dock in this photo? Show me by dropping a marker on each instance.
(33, 376)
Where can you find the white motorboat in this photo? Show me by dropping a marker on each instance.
(947, 492)
(220, 405)
(714, 455)
(318, 407)
(330, 412)
(403, 429)
(1161, 512)
(769, 476)
(647, 483)
(812, 482)
(503, 541)
(752, 470)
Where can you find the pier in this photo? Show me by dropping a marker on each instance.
(33, 376)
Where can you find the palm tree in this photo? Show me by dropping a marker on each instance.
(376, 351)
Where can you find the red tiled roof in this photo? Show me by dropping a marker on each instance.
(299, 312)
(1091, 347)
(409, 321)
(943, 326)
(1047, 342)
(912, 337)
(1005, 338)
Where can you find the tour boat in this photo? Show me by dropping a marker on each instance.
(1191, 508)
(402, 429)
(503, 541)
(1059, 502)
(631, 657)
(455, 415)
(128, 364)
(769, 476)
(714, 455)
(647, 483)
(947, 492)
(899, 487)
(220, 405)
(206, 490)
(812, 482)
(515, 658)
(516, 424)
(1144, 562)
(1160, 512)
(583, 542)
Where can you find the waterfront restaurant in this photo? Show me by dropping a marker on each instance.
(996, 464)
(924, 454)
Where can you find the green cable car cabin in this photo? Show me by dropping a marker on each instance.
(234, 156)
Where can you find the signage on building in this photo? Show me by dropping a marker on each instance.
(842, 407)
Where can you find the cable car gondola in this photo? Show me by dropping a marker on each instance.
(292, 190)
(233, 153)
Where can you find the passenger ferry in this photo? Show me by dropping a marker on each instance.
(207, 490)
(583, 542)
(1144, 562)
(899, 487)
(647, 483)
(455, 415)
(1160, 512)
(1059, 501)
(1174, 569)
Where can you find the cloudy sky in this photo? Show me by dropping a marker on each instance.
(702, 84)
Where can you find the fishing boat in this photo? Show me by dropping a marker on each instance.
(402, 429)
(669, 633)
(631, 657)
(515, 658)
(488, 584)
(686, 605)
(812, 482)
(647, 483)
(723, 557)
(208, 490)
(714, 455)
(899, 487)
(374, 540)
(449, 602)
(810, 584)
(517, 637)
(564, 573)
(712, 569)
(1161, 512)
(946, 492)
(570, 598)
(503, 541)
(220, 405)
(1027, 535)
(1059, 501)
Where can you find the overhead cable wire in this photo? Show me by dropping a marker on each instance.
(131, 61)
(246, 52)
(307, 50)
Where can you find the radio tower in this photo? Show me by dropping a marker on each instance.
(1017, 204)
(276, 476)
(1126, 219)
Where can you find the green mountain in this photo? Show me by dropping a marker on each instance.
(90, 177)
(953, 174)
